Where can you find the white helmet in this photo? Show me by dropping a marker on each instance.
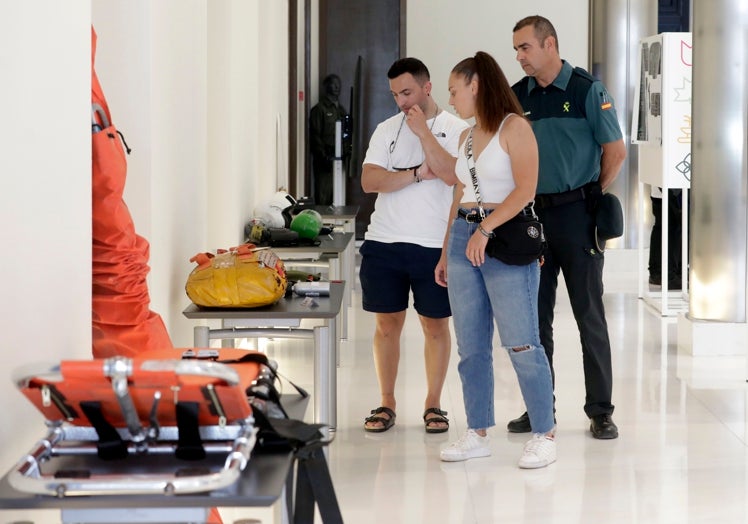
(282, 200)
(275, 212)
(270, 215)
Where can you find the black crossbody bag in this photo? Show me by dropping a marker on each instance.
(518, 241)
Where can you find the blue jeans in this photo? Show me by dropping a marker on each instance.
(509, 295)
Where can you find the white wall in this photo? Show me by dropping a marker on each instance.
(152, 68)
(45, 200)
(194, 85)
(443, 32)
(198, 89)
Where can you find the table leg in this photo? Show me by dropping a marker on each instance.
(226, 342)
(284, 508)
(348, 263)
(337, 268)
(332, 366)
(201, 336)
(325, 374)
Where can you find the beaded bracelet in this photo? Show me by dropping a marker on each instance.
(415, 175)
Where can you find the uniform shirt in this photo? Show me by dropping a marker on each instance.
(417, 213)
(571, 118)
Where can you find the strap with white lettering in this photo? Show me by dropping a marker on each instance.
(473, 175)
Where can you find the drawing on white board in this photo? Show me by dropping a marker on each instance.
(684, 167)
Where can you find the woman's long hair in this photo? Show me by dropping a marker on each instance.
(495, 98)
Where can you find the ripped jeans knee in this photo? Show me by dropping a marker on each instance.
(534, 377)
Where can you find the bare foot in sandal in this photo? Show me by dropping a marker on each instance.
(381, 419)
(435, 420)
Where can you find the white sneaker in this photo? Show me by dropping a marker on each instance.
(539, 451)
(470, 445)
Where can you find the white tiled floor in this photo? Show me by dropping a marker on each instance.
(680, 457)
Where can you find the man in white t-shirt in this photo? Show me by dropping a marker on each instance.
(410, 163)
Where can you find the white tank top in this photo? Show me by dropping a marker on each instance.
(493, 170)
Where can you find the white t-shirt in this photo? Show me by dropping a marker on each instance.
(418, 213)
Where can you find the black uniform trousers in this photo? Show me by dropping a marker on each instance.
(569, 230)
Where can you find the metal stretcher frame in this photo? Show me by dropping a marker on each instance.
(44, 469)
(267, 477)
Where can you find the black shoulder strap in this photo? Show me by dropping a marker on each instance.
(313, 481)
(261, 358)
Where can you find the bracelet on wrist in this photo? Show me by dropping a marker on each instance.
(415, 175)
(487, 234)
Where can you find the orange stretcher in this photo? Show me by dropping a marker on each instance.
(164, 422)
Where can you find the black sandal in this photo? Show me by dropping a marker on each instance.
(387, 422)
(439, 418)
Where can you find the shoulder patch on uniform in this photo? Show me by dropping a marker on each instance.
(605, 100)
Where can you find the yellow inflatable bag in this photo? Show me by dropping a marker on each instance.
(243, 276)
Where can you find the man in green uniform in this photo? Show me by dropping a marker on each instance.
(581, 152)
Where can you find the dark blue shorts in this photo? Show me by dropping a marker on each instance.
(389, 272)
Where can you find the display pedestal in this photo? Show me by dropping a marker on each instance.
(709, 338)
(662, 129)
(667, 302)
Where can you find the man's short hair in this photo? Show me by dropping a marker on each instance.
(542, 27)
(409, 65)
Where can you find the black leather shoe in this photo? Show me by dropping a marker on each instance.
(520, 425)
(603, 427)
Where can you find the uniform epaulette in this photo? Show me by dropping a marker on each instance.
(584, 74)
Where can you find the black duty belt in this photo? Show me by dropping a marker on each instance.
(470, 216)
(559, 199)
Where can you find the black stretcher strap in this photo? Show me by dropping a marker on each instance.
(189, 445)
(110, 445)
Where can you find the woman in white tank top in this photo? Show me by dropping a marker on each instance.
(483, 289)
